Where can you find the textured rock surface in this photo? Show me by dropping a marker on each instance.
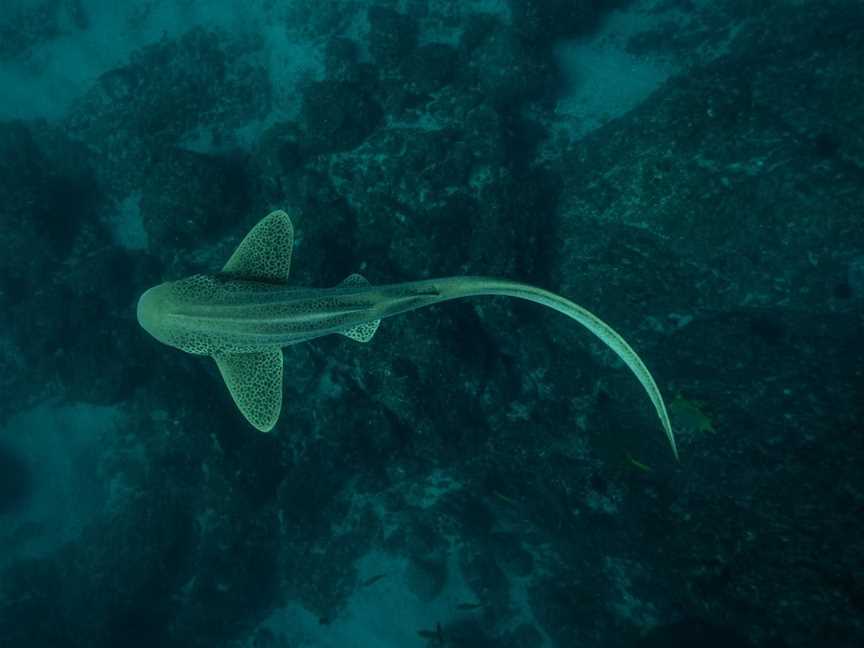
(500, 455)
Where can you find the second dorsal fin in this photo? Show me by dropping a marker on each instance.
(356, 280)
(265, 253)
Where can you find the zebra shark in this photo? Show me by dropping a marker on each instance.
(244, 315)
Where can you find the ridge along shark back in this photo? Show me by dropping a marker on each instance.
(244, 315)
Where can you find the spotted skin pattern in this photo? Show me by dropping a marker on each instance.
(255, 380)
(244, 315)
(265, 252)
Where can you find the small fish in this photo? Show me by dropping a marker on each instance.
(691, 415)
(373, 580)
(504, 498)
(465, 607)
(436, 635)
(638, 464)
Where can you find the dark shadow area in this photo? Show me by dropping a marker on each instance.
(16, 480)
(695, 633)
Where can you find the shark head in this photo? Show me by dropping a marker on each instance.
(167, 312)
(151, 306)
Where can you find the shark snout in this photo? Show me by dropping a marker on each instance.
(150, 310)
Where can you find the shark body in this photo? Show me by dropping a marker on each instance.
(244, 315)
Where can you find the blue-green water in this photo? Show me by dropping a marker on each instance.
(484, 472)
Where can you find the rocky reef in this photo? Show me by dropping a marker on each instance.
(481, 473)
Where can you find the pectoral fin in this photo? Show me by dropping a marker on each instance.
(265, 253)
(255, 383)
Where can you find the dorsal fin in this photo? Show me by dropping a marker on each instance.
(265, 253)
(355, 280)
(255, 383)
